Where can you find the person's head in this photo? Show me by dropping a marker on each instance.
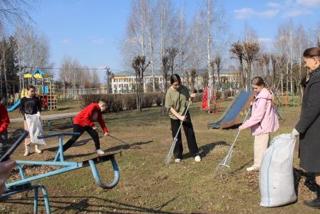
(311, 58)
(175, 81)
(31, 91)
(102, 104)
(257, 84)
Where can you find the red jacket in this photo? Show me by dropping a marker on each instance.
(4, 119)
(89, 115)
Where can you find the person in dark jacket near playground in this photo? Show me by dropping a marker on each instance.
(308, 127)
(176, 101)
(4, 123)
(31, 105)
(84, 121)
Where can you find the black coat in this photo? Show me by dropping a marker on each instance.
(309, 125)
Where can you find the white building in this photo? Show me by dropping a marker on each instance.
(122, 83)
(126, 83)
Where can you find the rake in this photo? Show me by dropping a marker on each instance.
(227, 159)
(119, 140)
(175, 139)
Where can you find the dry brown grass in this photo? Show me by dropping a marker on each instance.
(148, 186)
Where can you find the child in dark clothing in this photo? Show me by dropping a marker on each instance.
(30, 105)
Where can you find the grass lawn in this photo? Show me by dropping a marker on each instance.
(147, 185)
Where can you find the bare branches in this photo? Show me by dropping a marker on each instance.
(139, 65)
(14, 11)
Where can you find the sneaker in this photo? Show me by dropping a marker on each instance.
(37, 150)
(177, 160)
(100, 152)
(197, 158)
(252, 168)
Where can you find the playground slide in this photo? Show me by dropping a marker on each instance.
(14, 106)
(230, 116)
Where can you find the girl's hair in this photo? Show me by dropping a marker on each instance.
(311, 52)
(258, 81)
(31, 87)
(102, 101)
(175, 78)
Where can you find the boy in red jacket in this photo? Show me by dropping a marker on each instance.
(84, 121)
(4, 123)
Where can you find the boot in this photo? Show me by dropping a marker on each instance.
(315, 203)
(314, 187)
(26, 150)
(37, 150)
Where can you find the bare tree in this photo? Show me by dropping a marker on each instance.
(109, 76)
(182, 41)
(95, 79)
(139, 65)
(193, 75)
(251, 50)
(238, 52)
(33, 49)
(14, 11)
(171, 53)
(218, 64)
(165, 71)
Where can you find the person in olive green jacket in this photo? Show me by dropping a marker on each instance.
(176, 102)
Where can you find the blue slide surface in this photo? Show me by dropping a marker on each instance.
(233, 111)
(14, 106)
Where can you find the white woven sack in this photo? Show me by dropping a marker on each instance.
(276, 173)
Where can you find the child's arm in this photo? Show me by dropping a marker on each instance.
(175, 113)
(102, 124)
(257, 115)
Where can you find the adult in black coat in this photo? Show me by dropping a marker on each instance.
(308, 127)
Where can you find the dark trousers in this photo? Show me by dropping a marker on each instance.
(76, 128)
(3, 142)
(191, 139)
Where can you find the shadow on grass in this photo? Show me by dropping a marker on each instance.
(205, 149)
(63, 108)
(78, 143)
(101, 205)
(115, 149)
(241, 167)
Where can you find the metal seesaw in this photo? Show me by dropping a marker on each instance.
(24, 183)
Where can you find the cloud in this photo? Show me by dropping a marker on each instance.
(308, 3)
(98, 41)
(288, 8)
(265, 40)
(274, 5)
(245, 13)
(66, 41)
(297, 12)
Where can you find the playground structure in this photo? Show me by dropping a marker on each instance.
(44, 85)
(24, 183)
(231, 115)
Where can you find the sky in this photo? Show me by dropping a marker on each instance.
(91, 31)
